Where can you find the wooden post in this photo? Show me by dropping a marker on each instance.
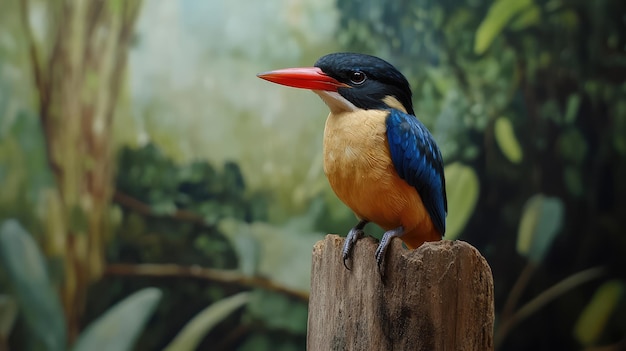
(437, 297)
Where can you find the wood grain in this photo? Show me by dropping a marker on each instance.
(437, 297)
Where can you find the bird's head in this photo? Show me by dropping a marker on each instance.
(349, 81)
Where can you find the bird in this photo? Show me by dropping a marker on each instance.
(380, 159)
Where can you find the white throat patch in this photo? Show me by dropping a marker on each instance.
(336, 103)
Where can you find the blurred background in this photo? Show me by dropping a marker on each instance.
(156, 195)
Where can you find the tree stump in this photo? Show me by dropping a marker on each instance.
(437, 297)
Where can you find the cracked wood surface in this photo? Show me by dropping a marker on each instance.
(437, 297)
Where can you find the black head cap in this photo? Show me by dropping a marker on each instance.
(370, 78)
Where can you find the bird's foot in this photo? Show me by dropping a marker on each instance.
(384, 244)
(354, 235)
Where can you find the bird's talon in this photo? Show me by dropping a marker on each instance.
(353, 236)
(380, 259)
(346, 254)
(382, 248)
(345, 263)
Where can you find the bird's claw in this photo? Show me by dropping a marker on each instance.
(354, 235)
(381, 250)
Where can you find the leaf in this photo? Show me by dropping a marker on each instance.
(257, 341)
(194, 331)
(594, 317)
(505, 137)
(282, 254)
(439, 79)
(462, 188)
(571, 111)
(572, 145)
(278, 312)
(499, 14)
(249, 251)
(26, 269)
(529, 17)
(540, 223)
(573, 181)
(8, 314)
(118, 328)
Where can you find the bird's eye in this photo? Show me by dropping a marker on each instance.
(357, 77)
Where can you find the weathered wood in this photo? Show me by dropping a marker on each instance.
(437, 297)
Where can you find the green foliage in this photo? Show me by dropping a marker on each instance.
(23, 167)
(8, 315)
(594, 318)
(278, 312)
(540, 223)
(462, 190)
(196, 214)
(572, 146)
(556, 71)
(120, 326)
(38, 301)
(279, 251)
(147, 175)
(26, 267)
(505, 137)
(498, 16)
(197, 328)
(186, 202)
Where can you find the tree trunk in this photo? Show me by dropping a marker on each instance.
(78, 68)
(437, 297)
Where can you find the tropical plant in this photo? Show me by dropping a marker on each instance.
(526, 95)
(40, 306)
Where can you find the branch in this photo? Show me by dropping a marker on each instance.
(197, 272)
(517, 290)
(544, 298)
(32, 47)
(40, 83)
(145, 210)
(129, 15)
(173, 270)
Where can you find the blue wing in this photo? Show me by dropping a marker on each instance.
(417, 159)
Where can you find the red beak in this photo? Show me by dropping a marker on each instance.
(305, 77)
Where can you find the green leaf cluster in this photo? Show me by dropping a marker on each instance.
(524, 97)
(527, 95)
(540, 223)
(146, 174)
(38, 302)
(200, 215)
(181, 205)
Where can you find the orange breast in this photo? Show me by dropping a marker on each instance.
(358, 165)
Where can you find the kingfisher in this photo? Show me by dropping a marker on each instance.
(380, 160)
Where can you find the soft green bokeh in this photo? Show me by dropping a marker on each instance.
(595, 316)
(192, 334)
(38, 302)
(462, 189)
(499, 15)
(218, 169)
(505, 137)
(202, 100)
(121, 325)
(539, 225)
